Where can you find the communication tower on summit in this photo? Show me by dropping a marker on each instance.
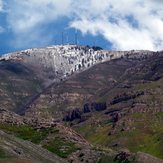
(76, 37)
(67, 39)
(62, 38)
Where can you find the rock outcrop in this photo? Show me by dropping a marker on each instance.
(10, 117)
(60, 62)
(87, 108)
(125, 97)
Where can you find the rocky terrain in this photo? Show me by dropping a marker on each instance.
(41, 141)
(27, 73)
(81, 104)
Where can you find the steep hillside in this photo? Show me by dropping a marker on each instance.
(41, 140)
(97, 83)
(82, 105)
(12, 148)
(25, 74)
(18, 83)
(116, 104)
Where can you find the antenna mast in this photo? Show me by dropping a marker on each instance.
(67, 39)
(76, 37)
(62, 38)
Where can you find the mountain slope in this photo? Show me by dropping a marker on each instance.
(116, 104)
(82, 105)
(31, 139)
(25, 74)
(17, 149)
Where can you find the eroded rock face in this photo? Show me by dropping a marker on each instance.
(94, 107)
(122, 157)
(42, 67)
(72, 115)
(98, 106)
(87, 108)
(125, 97)
(59, 62)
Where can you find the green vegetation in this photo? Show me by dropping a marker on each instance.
(4, 154)
(27, 132)
(61, 147)
(145, 134)
(106, 159)
(97, 135)
(117, 159)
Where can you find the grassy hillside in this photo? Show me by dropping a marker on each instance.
(44, 143)
(13, 149)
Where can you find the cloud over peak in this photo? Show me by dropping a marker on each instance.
(125, 24)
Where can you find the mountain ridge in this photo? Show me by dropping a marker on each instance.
(42, 67)
(87, 114)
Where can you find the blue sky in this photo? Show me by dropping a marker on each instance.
(118, 25)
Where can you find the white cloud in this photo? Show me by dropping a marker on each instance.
(27, 14)
(115, 22)
(1, 5)
(126, 24)
(27, 19)
(2, 29)
(1, 10)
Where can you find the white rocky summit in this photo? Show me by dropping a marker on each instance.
(64, 60)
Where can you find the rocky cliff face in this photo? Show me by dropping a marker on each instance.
(60, 62)
(24, 74)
